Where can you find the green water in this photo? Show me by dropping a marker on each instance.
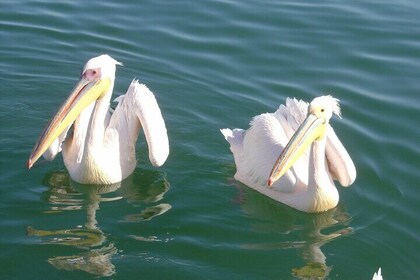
(212, 64)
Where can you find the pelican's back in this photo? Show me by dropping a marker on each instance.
(253, 148)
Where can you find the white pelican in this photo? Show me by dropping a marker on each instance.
(301, 178)
(101, 147)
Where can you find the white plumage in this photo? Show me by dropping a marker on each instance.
(377, 275)
(101, 147)
(308, 185)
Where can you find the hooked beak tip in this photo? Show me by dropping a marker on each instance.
(29, 164)
(270, 182)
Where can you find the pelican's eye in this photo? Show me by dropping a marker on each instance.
(91, 74)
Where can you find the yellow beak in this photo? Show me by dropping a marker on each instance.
(312, 128)
(82, 95)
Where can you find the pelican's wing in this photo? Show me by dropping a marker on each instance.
(148, 112)
(264, 141)
(291, 115)
(256, 150)
(339, 162)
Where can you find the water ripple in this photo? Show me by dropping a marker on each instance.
(214, 64)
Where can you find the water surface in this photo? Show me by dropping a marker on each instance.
(212, 64)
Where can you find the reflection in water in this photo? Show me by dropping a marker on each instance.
(95, 261)
(304, 232)
(148, 213)
(72, 237)
(96, 253)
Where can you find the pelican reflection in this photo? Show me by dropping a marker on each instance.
(95, 251)
(303, 232)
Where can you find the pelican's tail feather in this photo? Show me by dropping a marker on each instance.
(235, 138)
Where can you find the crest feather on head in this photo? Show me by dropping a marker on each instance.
(329, 102)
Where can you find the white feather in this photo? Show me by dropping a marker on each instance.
(377, 275)
(256, 150)
(101, 149)
(152, 122)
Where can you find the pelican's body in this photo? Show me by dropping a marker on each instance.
(311, 155)
(101, 147)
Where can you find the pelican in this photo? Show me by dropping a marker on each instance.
(293, 155)
(100, 149)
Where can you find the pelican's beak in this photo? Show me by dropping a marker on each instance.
(312, 128)
(85, 92)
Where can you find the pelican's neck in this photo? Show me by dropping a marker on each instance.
(98, 120)
(88, 132)
(321, 188)
(317, 173)
(83, 155)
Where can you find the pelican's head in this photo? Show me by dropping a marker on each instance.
(324, 107)
(97, 79)
(100, 67)
(313, 128)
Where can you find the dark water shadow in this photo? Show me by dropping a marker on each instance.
(95, 252)
(303, 232)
